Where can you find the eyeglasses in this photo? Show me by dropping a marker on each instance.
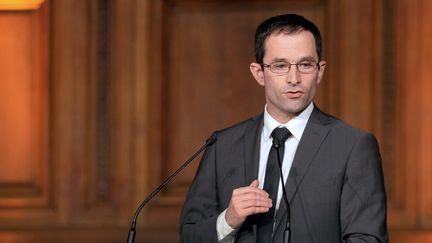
(284, 67)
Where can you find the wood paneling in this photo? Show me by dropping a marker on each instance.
(25, 176)
(20, 4)
(412, 181)
(93, 117)
(404, 193)
(425, 116)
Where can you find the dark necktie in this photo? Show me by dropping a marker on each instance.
(271, 184)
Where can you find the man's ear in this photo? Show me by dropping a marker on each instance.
(257, 72)
(322, 65)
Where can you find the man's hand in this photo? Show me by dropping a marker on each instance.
(246, 201)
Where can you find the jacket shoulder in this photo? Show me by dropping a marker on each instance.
(340, 127)
(239, 129)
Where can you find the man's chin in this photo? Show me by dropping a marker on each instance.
(296, 110)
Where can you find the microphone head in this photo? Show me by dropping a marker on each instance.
(211, 140)
(276, 143)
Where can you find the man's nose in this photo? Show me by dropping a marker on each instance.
(293, 76)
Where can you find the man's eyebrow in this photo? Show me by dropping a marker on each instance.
(302, 59)
(307, 59)
(278, 60)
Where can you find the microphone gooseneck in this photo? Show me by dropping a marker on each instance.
(132, 232)
(287, 231)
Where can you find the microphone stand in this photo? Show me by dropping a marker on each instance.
(132, 232)
(287, 231)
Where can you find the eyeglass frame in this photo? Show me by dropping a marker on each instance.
(317, 66)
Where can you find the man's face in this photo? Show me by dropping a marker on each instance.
(288, 94)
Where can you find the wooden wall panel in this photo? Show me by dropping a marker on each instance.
(91, 113)
(355, 62)
(405, 192)
(413, 160)
(20, 4)
(425, 115)
(26, 172)
(88, 118)
(74, 96)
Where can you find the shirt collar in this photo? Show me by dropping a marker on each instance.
(296, 125)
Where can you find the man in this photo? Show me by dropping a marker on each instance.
(333, 174)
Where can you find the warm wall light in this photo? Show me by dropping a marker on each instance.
(20, 4)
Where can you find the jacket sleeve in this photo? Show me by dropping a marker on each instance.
(201, 209)
(363, 199)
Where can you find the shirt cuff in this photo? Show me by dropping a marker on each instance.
(224, 231)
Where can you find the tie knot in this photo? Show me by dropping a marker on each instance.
(281, 134)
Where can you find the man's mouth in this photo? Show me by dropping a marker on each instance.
(293, 94)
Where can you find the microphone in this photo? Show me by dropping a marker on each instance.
(132, 232)
(287, 231)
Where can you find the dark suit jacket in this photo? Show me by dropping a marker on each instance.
(335, 186)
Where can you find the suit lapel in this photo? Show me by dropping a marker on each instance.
(252, 149)
(311, 141)
(251, 153)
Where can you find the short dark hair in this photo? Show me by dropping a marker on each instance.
(289, 23)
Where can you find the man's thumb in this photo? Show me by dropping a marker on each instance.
(254, 183)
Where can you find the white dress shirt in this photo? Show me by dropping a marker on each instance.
(296, 126)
